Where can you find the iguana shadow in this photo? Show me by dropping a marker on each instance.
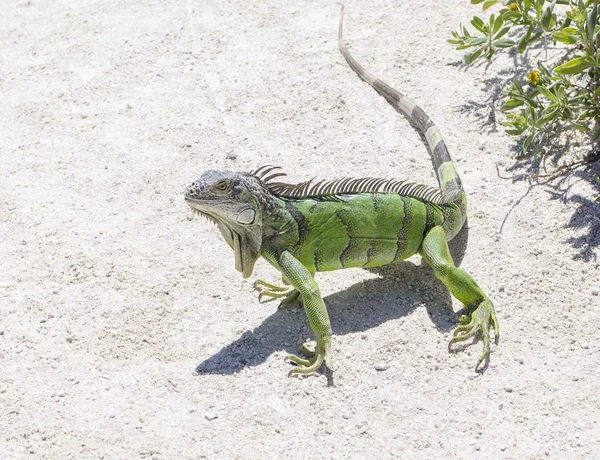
(401, 289)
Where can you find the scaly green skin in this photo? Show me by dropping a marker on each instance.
(302, 229)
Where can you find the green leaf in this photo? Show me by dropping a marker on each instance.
(488, 4)
(514, 132)
(535, 36)
(548, 19)
(513, 16)
(476, 2)
(502, 33)
(568, 35)
(580, 127)
(543, 70)
(510, 104)
(478, 24)
(527, 143)
(497, 25)
(595, 137)
(472, 57)
(519, 97)
(549, 114)
(548, 94)
(596, 93)
(504, 43)
(591, 21)
(524, 39)
(517, 84)
(577, 65)
(539, 5)
(476, 41)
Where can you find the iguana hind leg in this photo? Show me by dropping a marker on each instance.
(480, 310)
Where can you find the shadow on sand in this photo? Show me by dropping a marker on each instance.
(401, 288)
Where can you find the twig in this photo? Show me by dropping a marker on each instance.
(589, 160)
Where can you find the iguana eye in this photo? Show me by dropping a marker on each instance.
(222, 186)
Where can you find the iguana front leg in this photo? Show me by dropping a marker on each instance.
(480, 310)
(302, 280)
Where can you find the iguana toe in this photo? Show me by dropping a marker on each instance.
(304, 366)
(311, 355)
(306, 352)
(266, 289)
(316, 359)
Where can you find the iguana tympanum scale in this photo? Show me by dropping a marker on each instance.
(309, 227)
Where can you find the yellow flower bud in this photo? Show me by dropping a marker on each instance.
(534, 77)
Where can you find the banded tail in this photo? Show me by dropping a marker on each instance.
(448, 179)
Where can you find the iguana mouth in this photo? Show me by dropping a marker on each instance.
(205, 215)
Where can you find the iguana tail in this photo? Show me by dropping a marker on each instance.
(450, 184)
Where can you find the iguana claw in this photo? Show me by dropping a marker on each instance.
(266, 289)
(477, 322)
(315, 359)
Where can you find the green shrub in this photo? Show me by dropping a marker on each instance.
(552, 98)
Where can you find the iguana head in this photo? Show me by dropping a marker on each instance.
(229, 199)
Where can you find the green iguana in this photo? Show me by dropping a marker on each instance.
(309, 227)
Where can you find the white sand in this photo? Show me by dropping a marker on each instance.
(110, 296)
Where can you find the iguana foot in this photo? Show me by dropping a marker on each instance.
(272, 290)
(478, 322)
(315, 359)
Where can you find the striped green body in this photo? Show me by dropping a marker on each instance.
(363, 230)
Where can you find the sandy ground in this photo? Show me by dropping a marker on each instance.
(111, 292)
